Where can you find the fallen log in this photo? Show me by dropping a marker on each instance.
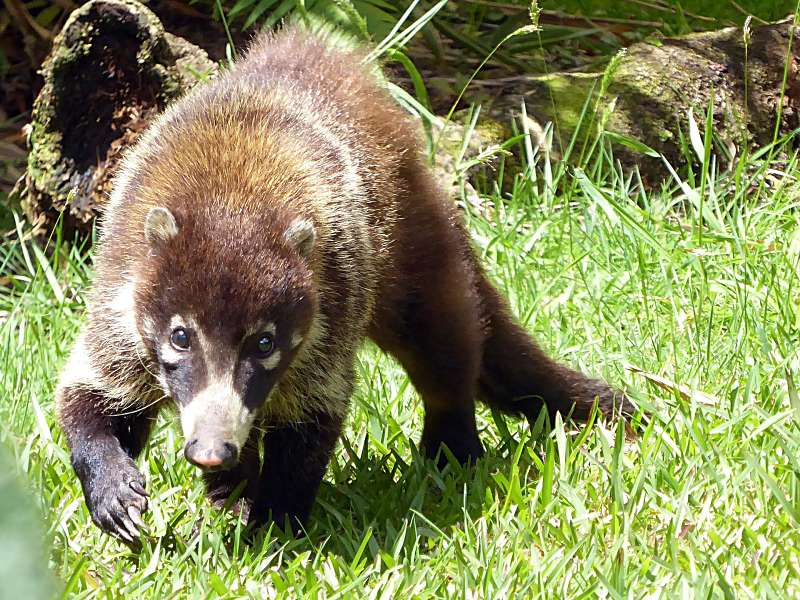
(111, 68)
(649, 94)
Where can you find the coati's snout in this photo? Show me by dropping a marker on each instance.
(216, 424)
(211, 454)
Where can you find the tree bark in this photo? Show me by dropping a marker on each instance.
(111, 68)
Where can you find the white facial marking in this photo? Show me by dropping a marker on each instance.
(272, 361)
(169, 354)
(297, 339)
(177, 321)
(148, 327)
(217, 410)
(122, 301)
(121, 307)
(162, 380)
(78, 370)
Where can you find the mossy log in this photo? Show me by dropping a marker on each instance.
(110, 69)
(114, 66)
(654, 85)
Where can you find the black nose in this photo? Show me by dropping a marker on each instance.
(212, 455)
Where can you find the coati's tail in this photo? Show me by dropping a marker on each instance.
(517, 377)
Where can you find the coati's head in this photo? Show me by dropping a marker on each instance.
(226, 304)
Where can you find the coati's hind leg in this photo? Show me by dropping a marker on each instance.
(436, 337)
(439, 347)
(517, 377)
(429, 320)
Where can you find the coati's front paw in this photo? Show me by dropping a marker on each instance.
(116, 499)
(290, 520)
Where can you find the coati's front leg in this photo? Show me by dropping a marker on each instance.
(296, 457)
(103, 448)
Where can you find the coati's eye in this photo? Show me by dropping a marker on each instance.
(179, 338)
(265, 344)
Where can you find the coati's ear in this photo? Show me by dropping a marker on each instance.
(301, 234)
(159, 225)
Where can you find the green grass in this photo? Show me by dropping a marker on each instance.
(576, 33)
(694, 286)
(705, 501)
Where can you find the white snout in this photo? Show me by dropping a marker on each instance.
(217, 410)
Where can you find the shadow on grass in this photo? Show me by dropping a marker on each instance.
(391, 505)
(388, 505)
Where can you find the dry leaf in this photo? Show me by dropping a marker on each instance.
(685, 392)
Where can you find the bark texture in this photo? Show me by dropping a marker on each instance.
(112, 67)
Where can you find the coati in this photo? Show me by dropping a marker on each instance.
(258, 231)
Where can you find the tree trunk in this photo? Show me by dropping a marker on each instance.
(113, 67)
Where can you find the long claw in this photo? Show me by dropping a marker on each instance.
(129, 525)
(120, 531)
(138, 488)
(136, 517)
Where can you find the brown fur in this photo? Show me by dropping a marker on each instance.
(297, 129)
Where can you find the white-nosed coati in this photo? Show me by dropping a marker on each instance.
(260, 229)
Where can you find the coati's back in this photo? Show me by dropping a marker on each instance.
(301, 123)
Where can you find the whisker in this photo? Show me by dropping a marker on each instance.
(139, 409)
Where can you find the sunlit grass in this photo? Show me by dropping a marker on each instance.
(687, 296)
(611, 279)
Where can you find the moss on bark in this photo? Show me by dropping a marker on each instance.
(114, 66)
(655, 85)
(110, 69)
